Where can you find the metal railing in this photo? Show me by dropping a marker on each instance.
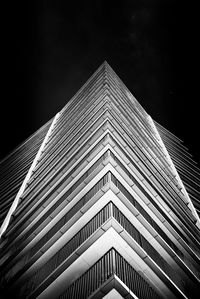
(112, 263)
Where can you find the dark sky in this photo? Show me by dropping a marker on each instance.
(50, 48)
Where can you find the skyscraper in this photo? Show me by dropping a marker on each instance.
(101, 202)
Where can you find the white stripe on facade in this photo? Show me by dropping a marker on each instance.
(29, 173)
(194, 212)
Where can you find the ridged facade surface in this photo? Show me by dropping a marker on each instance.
(14, 168)
(107, 207)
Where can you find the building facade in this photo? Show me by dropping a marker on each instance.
(101, 202)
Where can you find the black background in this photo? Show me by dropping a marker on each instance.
(50, 48)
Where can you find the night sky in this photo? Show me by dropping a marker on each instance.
(50, 48)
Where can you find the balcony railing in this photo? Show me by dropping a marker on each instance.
(112, 263)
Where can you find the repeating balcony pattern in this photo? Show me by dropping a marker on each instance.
(185, 165)
(110, 202)
(14, 168)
